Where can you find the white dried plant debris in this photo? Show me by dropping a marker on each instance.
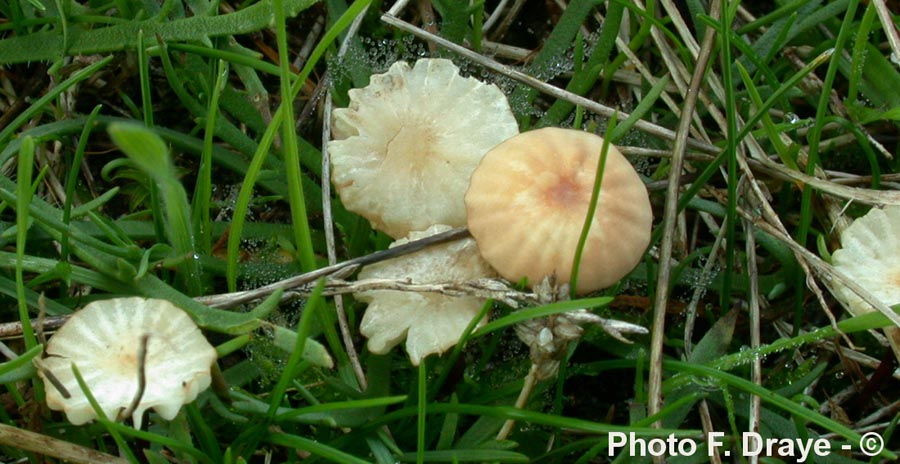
(548, 337)
(403, 151)
(430, 322)
(111, 341)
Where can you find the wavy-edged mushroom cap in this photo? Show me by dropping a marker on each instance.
(406, 146)
(430, 322)
(104, 340)
(868, 256)
(528, 200)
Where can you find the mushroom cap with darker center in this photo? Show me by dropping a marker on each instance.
(405, 147)
(527, 203)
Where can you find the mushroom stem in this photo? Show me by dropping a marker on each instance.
(527, 387)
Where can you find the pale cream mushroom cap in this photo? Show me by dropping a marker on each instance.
(869, 253)
(430, 322)
(528, 200)
(406, 146)
(103, 340)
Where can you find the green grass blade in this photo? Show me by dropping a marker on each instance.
(23, 222)
(203, 188)
(730, 152)
(421, 406)
(243, 202)
(314, 447)
(592, 207)
(101, 416)
(296, 199)
(86, 39)
(293, 363)
(772, 398)
(150, 154)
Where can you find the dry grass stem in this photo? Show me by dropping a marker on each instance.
(756, 370)
(230, 300)
(539, 85)
(53, 447)
(654, 384)
(343, 324)
(890, 30)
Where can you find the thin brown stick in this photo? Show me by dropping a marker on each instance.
(756, 366)
(654, 385)
(14, 329)
(230, 300)
(556, 92)
(49, 446)
(343, 325)
(141, 378)
(887, 24)
(708, 428)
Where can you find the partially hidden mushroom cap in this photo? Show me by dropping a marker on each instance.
(528, 200)
(869, 253)
(405, 147)
(104, 340)
(430, 322)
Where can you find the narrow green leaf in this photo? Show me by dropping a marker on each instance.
(148, 151)
(23, 221)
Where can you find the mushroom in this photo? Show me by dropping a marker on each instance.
(528, 200)
(430, 322)
(133, 353)
(868, 256)
(403, 151)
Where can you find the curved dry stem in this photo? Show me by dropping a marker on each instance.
(328, 218)
(654, 385)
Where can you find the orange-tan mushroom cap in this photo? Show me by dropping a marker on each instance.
(405, 147)
(527, 203)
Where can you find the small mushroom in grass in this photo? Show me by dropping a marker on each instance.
(868, 256)
(430, 322)
(528, 200)
(133, 353)
(403, 151)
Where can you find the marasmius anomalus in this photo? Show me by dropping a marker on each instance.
(528, 200)
(402, 155)
(868, 255)
(403, 151)
(431, 323)
(133, 353)
(527, 205)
